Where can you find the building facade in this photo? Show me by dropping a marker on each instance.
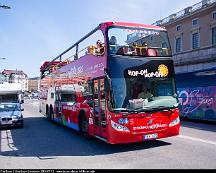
(34, 84)
(192, 34)
(17, 76)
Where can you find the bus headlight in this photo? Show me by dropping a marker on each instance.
(119, 127)
(174, 122)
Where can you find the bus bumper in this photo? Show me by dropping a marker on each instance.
(117, 137)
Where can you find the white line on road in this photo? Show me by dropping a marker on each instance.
(197, 139)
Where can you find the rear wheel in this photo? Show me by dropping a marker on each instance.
(51, 114)
(48, 113)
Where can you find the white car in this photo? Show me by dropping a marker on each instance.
(11, 115)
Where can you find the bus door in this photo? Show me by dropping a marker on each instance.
(99, 108)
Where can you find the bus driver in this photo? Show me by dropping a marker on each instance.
(144, 94)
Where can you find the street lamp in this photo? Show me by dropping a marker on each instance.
(5, 7)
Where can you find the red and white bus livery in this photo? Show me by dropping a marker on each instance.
(117, 83)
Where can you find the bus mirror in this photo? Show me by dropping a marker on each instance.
(107, 77)
(175, 95)
(176, 105)
(108, 83)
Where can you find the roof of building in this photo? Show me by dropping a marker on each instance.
(9, 72)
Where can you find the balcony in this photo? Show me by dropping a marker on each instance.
(193, 60)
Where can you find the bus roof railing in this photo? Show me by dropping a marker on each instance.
(71, 47)
(46, 68)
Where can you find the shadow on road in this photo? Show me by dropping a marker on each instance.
(198, 125)
(45, 140)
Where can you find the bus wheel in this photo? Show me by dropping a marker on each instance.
(84, 127)
(48, 113)
(51, 114)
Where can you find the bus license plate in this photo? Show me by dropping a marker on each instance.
(150, 136)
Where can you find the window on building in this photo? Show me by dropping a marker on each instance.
(178, 45)
(214, 35)
(178, 28)
(194, 22)
(214, 15)
(195, 40)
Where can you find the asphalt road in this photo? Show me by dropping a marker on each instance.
(41, 144)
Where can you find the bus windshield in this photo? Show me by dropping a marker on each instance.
(138, 42)
(142, 94)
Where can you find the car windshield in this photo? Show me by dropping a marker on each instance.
(9, 107)
(142, 94)
(138, 42)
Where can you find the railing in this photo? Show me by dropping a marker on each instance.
(193, 57)
(186, 11)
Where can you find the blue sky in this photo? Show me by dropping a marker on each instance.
(33, 31)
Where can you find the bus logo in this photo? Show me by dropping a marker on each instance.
(163, 70)
(150, 122)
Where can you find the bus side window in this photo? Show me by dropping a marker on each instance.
(52, 95)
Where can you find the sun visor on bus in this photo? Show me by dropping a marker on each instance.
(121, 67)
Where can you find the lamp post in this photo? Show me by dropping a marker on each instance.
(5, 7)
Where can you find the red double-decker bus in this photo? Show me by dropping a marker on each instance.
(117, 84)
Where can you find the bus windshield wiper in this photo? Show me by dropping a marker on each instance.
(156, 108)
(128, 111)
(121, 109)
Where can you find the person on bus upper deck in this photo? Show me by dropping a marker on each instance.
(113, 41)
(144, 44)
(99, 48)
(113, 44)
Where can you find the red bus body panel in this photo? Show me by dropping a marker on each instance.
(146, 124)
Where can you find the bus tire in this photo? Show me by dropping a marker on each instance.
(51, 114)
(83, 125)
(48, 112)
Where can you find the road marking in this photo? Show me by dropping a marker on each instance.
(197, 139)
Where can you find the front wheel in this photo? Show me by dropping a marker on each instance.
(84, 127)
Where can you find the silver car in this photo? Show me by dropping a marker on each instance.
(11, 115)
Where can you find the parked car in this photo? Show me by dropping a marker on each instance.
(11, 115)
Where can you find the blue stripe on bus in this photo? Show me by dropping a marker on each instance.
(72, 125)
(68, 124)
